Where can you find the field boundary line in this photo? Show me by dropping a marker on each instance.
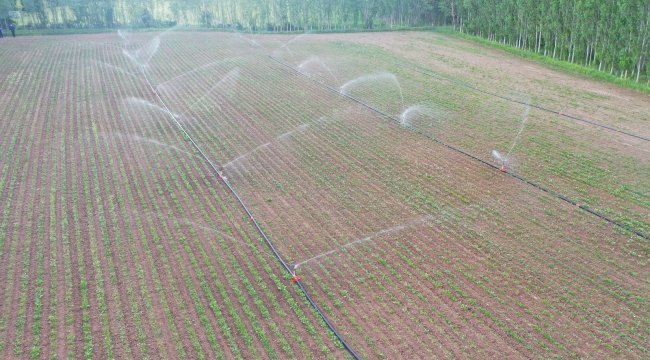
(463, 152)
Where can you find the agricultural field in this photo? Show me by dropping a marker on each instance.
(436, 199)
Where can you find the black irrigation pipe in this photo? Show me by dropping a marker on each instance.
(560, 113)
(463, 152)
(224, 179)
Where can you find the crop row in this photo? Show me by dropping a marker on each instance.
(276, 172)
(553, 151)
(244, 333)
(25, 192)
(309, 196)
(129, 247)
(471, 66)
(117, 246)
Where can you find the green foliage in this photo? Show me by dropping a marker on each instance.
(610, 36)
(613, 37)
(5, 7)
(253, 15)
(555, 64)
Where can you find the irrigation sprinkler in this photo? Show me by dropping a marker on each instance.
(219, 171)
(476, 158)
(295, 278)
(561, 112)
(500, 158)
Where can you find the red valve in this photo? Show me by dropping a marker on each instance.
(295, 278)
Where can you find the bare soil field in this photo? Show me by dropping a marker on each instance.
(437, 199)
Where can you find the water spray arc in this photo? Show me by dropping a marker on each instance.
(252, 42)
(232, 75)
(142, 67)
(389, 230)
(431, 113)
(150, 141)
(316, 60)
(521, 129)
(233, 161)
(504, 159)
(285, 45)
(281, 137)
(385, 76)
(473, 157)
(202, 67)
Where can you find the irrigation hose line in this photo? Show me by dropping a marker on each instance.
(463, 152)
(560, 113)
(257, 226)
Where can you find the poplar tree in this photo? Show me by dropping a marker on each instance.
(610, 36)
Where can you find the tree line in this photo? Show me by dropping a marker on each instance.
(254, 15)
(611, 35)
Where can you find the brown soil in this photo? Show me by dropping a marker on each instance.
(412, 249)
(612, 106)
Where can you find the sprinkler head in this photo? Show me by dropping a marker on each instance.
(502, 169)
